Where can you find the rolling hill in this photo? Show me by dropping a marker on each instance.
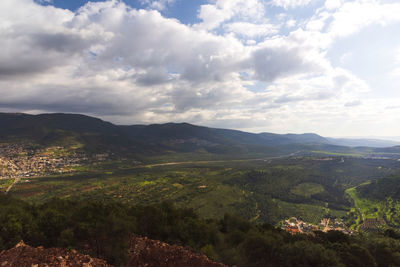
(94, 135)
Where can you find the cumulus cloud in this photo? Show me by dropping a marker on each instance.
(333, 4)
(157, 4)
(136, 66)
(251, 30)
(396, 71)
(213, 15)
(22, 51)
(352, 16)
(44, 1)
(271, 63)
(290, 3)
(353, 103)
(290, 23)
(110, 57)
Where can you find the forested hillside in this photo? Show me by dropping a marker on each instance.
(103, 230)
(92, 135)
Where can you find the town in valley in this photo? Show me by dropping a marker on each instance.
(27, 161)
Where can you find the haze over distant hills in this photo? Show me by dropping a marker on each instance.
(369, 142)
(97, 135)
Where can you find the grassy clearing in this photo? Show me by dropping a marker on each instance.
(307, 189)
(366, 207)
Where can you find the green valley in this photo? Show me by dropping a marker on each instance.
(268, 190)
(236, 188)
(262, 177)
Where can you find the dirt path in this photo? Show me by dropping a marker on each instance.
(11, 186)
(218, 161)
(326, 228)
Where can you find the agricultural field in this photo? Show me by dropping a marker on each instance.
(267, 190)
(363, 208)
(377, 199)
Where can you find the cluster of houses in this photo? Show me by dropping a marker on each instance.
(18, 161)
(297, 226)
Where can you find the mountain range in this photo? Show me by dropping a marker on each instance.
(96, 135)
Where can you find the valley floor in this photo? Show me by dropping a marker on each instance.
(262, 190)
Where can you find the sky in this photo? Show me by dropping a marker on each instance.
(330, 67)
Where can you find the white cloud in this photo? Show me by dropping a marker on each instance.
(157, 4)
(290, 23)
(251, 30)
(290, 3)
(272, 62)
(45, 1)
(397, 55)
(351, 17)
(395, 72)
(333, 4)
(112, 58)
(23, 49)
(353, 103)
(136, 66)
(345, 57)
(212, 15)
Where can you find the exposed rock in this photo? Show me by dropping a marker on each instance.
(153, 253)
(25, 256)
(143, 252)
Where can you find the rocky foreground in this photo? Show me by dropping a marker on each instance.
(152, 253)
(143, 252)
(25, 256)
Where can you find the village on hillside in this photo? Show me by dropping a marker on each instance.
(18, 161)
(297, 226)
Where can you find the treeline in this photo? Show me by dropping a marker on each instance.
(278, 183)
(335, 176)
(103, 230)
(386, 192)
(381, 189)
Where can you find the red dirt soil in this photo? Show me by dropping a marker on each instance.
(143, 252)
(153, 253)
(25, 256)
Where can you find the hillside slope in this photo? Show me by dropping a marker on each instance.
(94, 135)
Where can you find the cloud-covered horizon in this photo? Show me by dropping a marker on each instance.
(246, 64)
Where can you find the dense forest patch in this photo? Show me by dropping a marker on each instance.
(102, 229)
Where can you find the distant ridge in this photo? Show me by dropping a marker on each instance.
(96, 135)
(363, 142)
